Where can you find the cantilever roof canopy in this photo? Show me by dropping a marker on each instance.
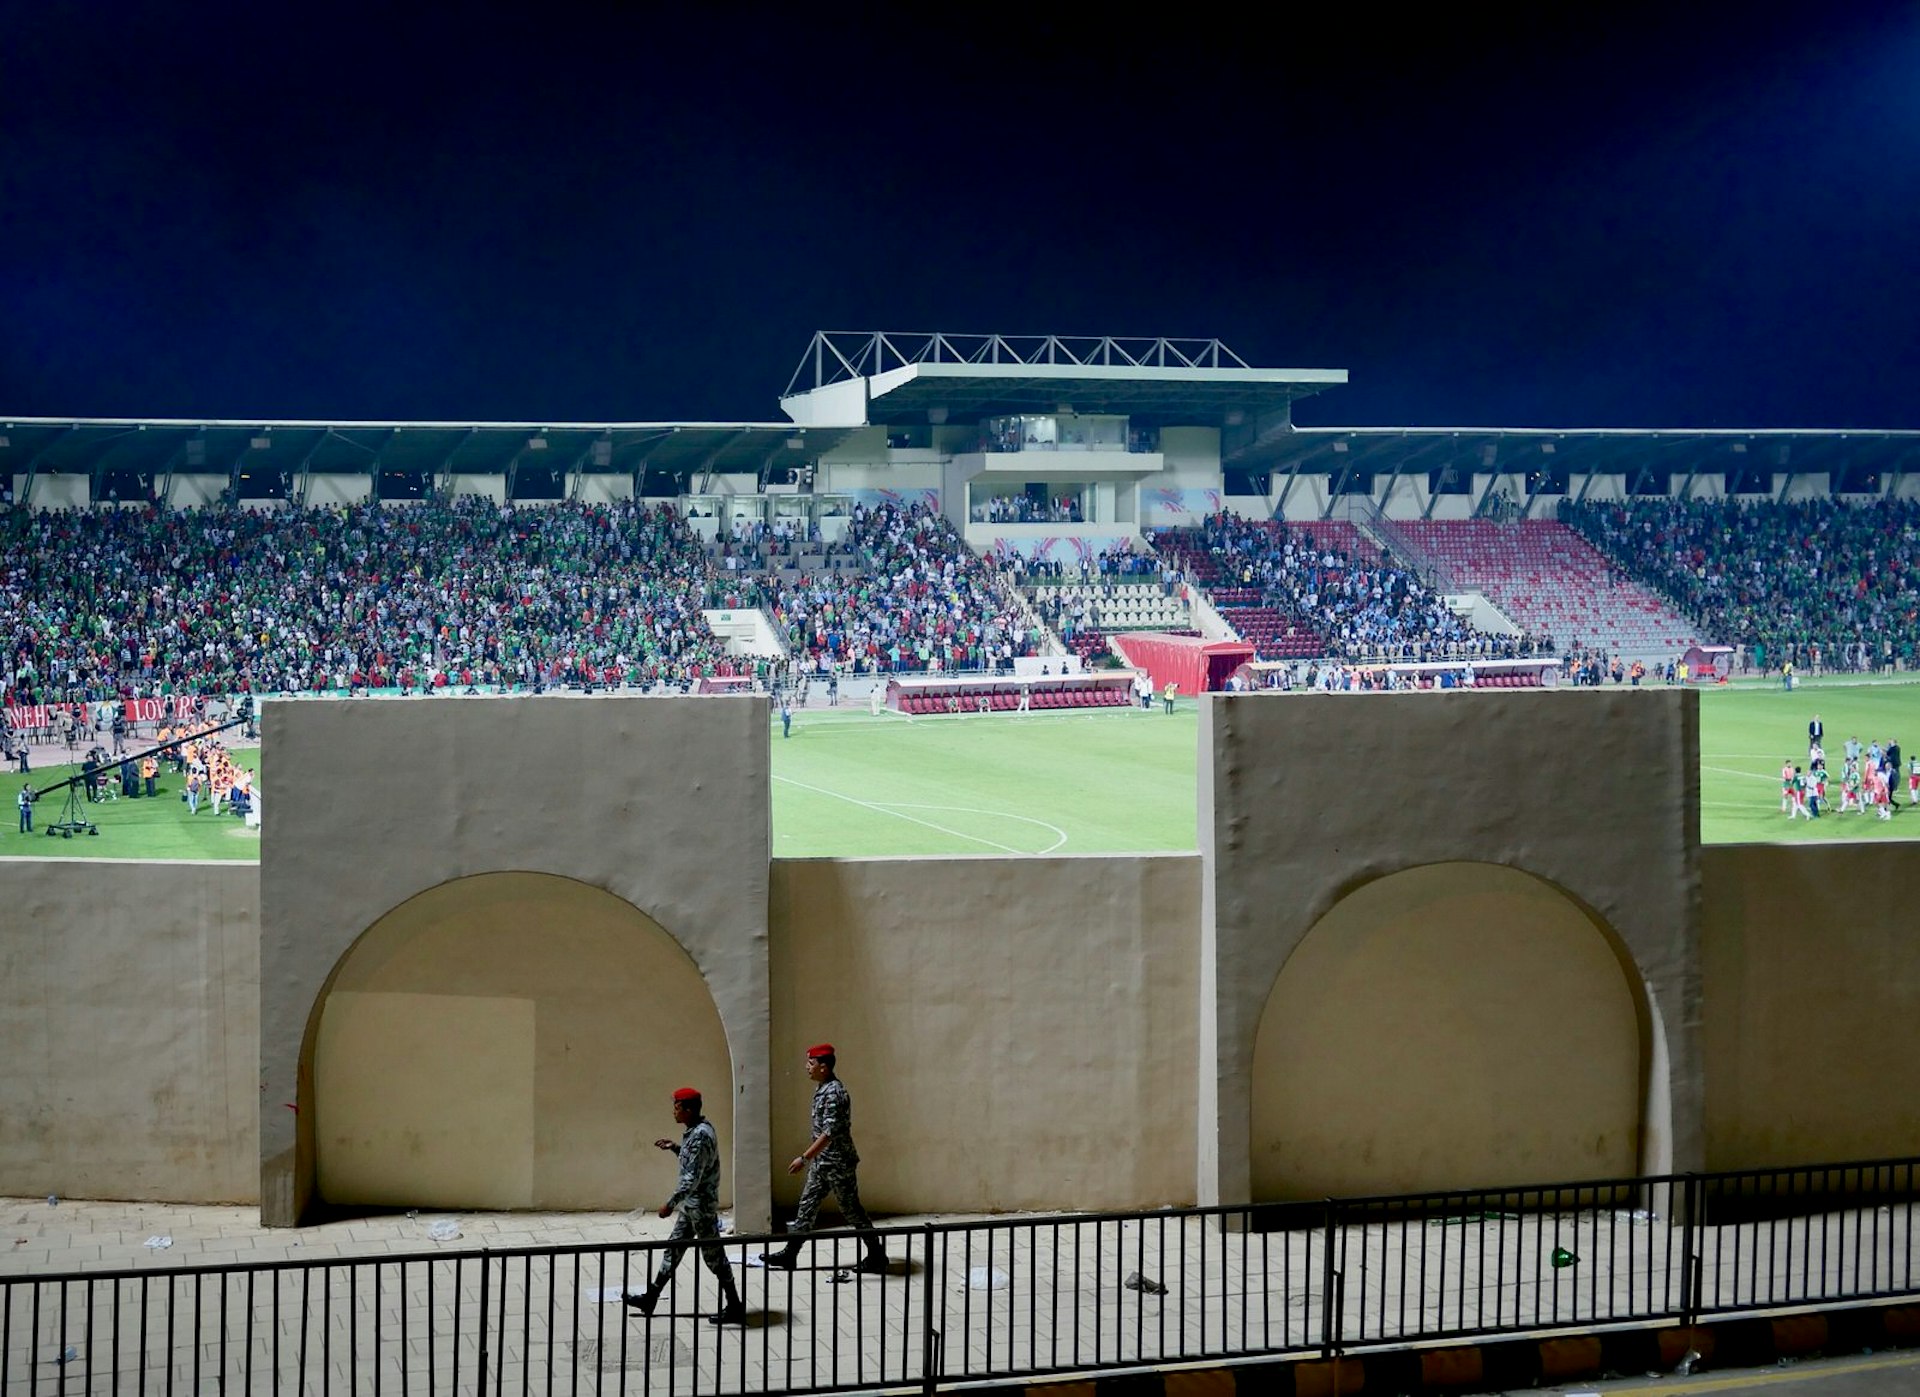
(933, 377)
(222, 447)
(1578, 451)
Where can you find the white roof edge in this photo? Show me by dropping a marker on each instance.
(339, 424)
(1145, 373)
(1731, 433)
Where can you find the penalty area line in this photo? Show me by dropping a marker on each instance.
(898, 815)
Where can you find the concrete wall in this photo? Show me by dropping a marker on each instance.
(332, 488)
(129, 1019)
(1016, 1033)
(1452, 1026)
(512, 1040)
(662, 803)
(588, 878)
(56, 491)
(1811, 1034)
(491, 486)
(1306, 799)
(186, 491)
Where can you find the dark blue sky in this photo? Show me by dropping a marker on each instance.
(1622, 217)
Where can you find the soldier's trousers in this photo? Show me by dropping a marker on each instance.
(826, 1176)
(694, 1226)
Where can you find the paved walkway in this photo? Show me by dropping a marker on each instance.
(395, 1304)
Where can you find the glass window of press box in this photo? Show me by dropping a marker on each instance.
(1062, 432)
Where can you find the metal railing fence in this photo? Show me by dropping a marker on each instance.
(972, 1301)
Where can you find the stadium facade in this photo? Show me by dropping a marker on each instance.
(1139, 433)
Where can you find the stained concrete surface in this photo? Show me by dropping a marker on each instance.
(1866, 1375)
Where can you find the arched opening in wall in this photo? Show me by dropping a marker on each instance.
(1456, 1025)
(511, 1040)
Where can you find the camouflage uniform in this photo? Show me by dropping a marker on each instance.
(696, 1200)
(832, 1170)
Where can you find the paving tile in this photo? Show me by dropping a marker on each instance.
(1061, 1304)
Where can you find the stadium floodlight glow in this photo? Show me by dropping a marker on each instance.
(937, 416)
(1547, 448)
(261, 443)
(796, 443)
(536, 443)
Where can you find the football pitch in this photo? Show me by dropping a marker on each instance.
(1125, 781)
(850, 785)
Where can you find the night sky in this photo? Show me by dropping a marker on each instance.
(1626, 217)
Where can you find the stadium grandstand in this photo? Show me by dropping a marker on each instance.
(932, 503)
(1539, 1066)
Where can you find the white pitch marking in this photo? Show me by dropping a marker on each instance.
(997, 814)
(870, 805)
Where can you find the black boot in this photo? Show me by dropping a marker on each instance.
(875, 1263)
(731, 1310)
(644, 1303)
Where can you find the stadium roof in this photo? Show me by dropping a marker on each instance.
(848, 378)
(1579, 451)
(231, 447)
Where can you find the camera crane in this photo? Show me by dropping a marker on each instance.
(73, 816)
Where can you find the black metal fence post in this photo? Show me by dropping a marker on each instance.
(1690, 1194)
(486, 1273)
(929, 1336)
(1330, 1305)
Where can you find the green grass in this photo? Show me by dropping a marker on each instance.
(1110, 781)
(159, 828)
(850, 785)
(1746, 731)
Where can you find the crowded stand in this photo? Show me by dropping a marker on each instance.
(1294, 593)
(927, 602)
(133, 603)
(1819, 584)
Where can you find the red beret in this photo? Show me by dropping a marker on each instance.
(685, 1094)
(820, 1050)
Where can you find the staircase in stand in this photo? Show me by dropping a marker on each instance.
(1551, 581)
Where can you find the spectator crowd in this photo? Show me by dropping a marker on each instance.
(925, 602)
(1373, 610)
(1024, 509)
(138, 603)
(1819, 584)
